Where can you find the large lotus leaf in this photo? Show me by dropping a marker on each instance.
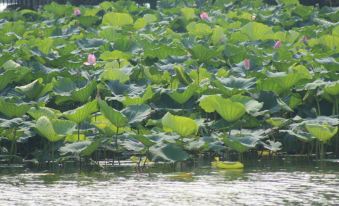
(64, 86)
(117, 19)
(88, 21)
(63, 127)
(58, 10)
(256, 31)
(156, 76)
(332, 88)
(80, 114)
(323, 132)
(6, 78)
(163, 51)
(245, 140)
(114, 55)
(168, 152)
(143, 139)
(183, 95)
(131, 100)
(198, 29)
(32, 90)
(252, 106)
(45, 128)
(83, 94)
(90, 43)
(121, 75)
(282, 82)
(114, 116)
(184, 126)
(218, 36)
(182, 75)
(277, 121)
(137, 113)
(188, 13)
(226, 108)
(44, 45)
(75, 138)
(83, 148)
(37, 112)
(106, 127)
(203, 54)
(10, 64)
(233, 85)
(11, 110)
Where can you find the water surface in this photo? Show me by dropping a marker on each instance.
(277, 183)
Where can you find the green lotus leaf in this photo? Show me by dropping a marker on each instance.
(11, 110)
(185, 95)
(256, 31)
(106, 127)
(83, 94)
(75, 138)
(188, 13)
(63, 127)
(252, 106)
(332, 88)
(10, 64)
(123, 75)
(137, 113)
(139, 100)
(45, 128)
(163, 51)
(54, 130)
(114, 116)
(203, 54)
(37, 112)
(323, 132)
(114, 55)
(218, 36)
(58, 10)
(226, 108)
(88, 21)
(140, 23)
(32, 90)
(198, 29)
(277, 121)
(80, 114)
(168, 152)
(83, 148)
(244, 140)
(184, 126)
(117, 19)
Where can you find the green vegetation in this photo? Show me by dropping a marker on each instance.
(234, 79)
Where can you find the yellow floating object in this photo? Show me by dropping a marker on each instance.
(226, 164)
(182, 175)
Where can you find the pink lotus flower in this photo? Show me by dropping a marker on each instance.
(247, 64)
(277, 44)
(204, 16)
(91, 60)
(76, 12)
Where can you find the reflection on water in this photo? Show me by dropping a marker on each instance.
(257, 184)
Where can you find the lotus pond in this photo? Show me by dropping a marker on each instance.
(283, 182)
(93, 86)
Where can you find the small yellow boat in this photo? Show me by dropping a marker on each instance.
(226, 164)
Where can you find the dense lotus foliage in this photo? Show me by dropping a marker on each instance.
(188, 79)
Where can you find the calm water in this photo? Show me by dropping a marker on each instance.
(278, 183)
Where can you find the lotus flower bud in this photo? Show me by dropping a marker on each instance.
(76, 12)
(277, 44)
(91, 60)
(253, 17)
(247, 64)
(204, 16)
